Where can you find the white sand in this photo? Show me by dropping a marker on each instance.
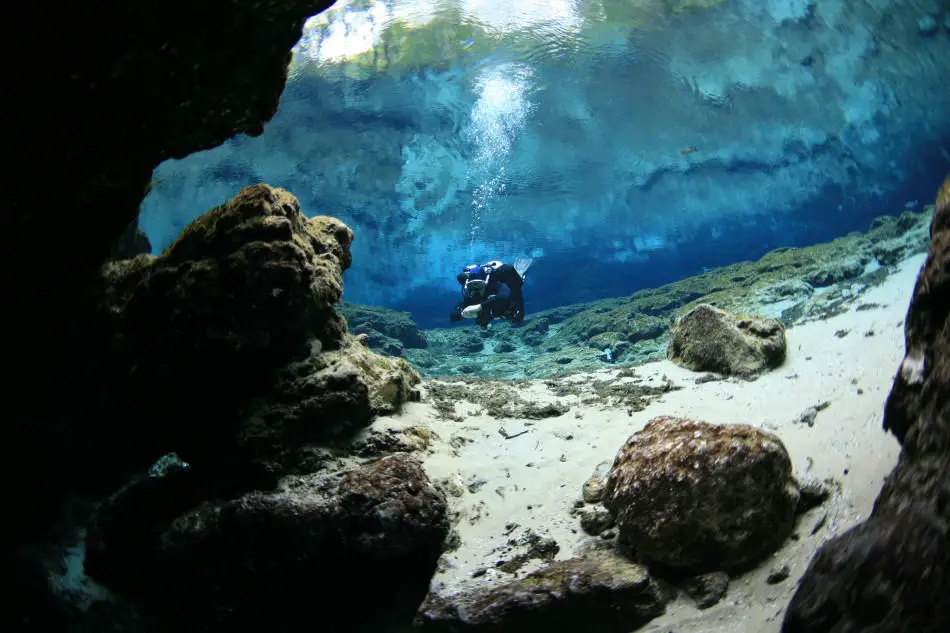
(533, 480)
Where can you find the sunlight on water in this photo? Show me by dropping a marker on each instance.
(498, 116)
(629, 142)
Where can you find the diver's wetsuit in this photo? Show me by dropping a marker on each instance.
(502, 298)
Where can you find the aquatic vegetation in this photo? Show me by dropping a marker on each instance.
(781, 285)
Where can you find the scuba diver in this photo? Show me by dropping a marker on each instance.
(492, 291)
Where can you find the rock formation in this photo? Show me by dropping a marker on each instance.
(117, 89)
(226, 348)
(891, 573)
(700, 497)
(601, 592)
(389, 332)
(709, 339)
(276, 560)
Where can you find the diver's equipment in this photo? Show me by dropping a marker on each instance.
(475, 288)
(471, 311)
(476, 281)
(521, 265)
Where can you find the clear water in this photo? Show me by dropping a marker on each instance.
(622, 143)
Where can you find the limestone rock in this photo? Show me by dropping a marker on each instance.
(837, 270)
(389, 331)
(268, 559)
(595, 519)
(183, 340)
(702, 497)
(892, 572)
(926, 316)
(593, 489)
(709, 339)
(602, 593)
(330, 395)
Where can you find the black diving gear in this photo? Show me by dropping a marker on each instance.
(491, 291)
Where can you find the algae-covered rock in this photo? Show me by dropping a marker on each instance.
(837, 270)
(226, 348)
(601, 593)
(710, 339)
(608, 327)
(389, 330)
(184, 339)
(304, 546)
(330, 395)
(702, 497)
(535, 331)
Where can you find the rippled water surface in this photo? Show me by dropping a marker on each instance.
(623, 143)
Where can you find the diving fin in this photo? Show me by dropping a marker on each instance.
(522, 264)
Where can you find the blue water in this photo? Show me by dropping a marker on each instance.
(621, 148)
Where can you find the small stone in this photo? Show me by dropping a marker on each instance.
(707, 589)
(595, 519)
(778, 575)
(593, 491)
(813, 493)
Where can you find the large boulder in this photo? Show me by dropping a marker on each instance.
(602, 593)
(144, 82)
(710, 339)
(891, 573)
(699, 497)
(184, 340)
(369, 537)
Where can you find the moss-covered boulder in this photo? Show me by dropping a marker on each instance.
(702, 497)
(226, 348)
(535, 331)
(389, 331)
(602, 593)
(710, 339)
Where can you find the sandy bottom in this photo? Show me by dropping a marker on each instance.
(503, 488)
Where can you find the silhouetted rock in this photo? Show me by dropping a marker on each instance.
(132, 242)
(601, 593)
(709, 339)
(185, 340)
(891, 573)
(702, 497)
(139, 83)
(275, 560)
